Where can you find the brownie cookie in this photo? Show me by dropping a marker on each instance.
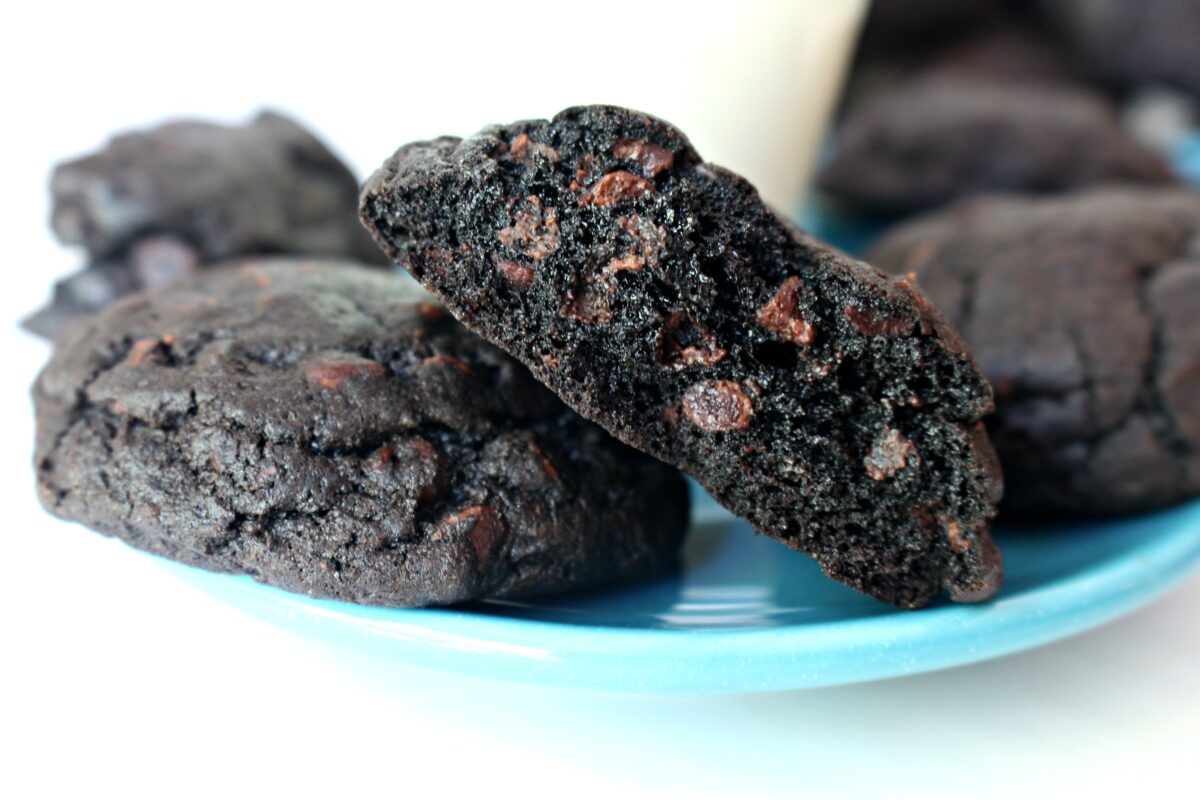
(1082, 311)
(943, 137)
(657, 295)
(899, 27)
(1129, 43)
(155, 206)
(328, 430)
(997, 47)
(1012, 53)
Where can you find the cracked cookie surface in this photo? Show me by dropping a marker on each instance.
(330, 430)
(657, 295)
(1082, 311)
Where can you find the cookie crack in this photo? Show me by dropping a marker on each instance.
(76, 413)
(1151, 395)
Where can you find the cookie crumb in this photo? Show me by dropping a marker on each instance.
(716, 406)
(888, 455)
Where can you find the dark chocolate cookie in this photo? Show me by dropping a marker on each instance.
(1130, 43)
(154, 206)
(899, 27)
(1082, 311)
(326, 429)
(658, 296)
(943, 137)
(902, 39)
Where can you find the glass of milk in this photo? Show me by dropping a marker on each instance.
(752, 83)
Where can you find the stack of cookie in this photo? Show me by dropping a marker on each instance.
(657, 295)
(310, 421)
(158, 205)
(610, 310)
(1047, 226)
(330, 429)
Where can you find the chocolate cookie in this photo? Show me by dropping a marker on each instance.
(1130, 43)
(657, 295)
(899, 27)
(902, 39)
(326, 429)
(1082, 311)
(155, 206)
(944, 137)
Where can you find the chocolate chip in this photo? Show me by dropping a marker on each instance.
(382, 457)
(422, 447)
(718, 406)
(650, 238)
(620, 187)
(486, 531)
(534, 229)
(652, 158)
(583, 172)
(682, 342)
(523, 149)
(627, 263)
(432, 476)
(449, 361)
(520, 275)
(954, 531)
(931, 321)
(329, 374)
(591, 299)
(888, 455)
(871, 323)
(781, 315)
(140, 349)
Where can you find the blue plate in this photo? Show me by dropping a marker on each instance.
(746, 614)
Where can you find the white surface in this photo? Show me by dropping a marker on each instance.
(119, 680)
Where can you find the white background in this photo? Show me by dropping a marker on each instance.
(118, 680)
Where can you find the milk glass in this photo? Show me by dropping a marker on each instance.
(752, 82)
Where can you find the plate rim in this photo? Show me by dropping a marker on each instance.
(793, 656)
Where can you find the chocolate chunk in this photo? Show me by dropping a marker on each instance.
(332, 374)
(872, 324)
(652, 158)
(534, 230)
(520, 275)
(716, 406)
(620, 187)
(682, 342)
(781, 315)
